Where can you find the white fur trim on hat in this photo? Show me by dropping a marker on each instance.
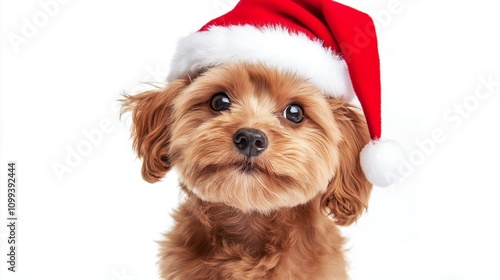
(273, 46)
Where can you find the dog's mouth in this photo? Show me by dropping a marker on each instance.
(248, 167)
(243, 167)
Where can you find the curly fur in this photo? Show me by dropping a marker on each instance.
(276, 221)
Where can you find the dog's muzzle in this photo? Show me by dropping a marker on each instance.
(250, 142)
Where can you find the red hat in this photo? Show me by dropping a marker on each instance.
(332, 45)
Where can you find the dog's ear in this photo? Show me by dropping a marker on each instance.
(347, 194)
(151, 127)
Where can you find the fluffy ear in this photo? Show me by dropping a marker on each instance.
(151, 123)
(347, 194)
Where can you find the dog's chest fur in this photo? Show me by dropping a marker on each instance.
(215, 241)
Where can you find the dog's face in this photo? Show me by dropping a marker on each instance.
(255, 139)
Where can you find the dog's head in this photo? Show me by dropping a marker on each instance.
(253, 138)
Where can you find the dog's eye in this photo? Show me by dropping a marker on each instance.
(220, 102)
(294, 113)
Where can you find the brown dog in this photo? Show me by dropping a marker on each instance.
(270, 166)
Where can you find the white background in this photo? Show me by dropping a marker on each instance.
(99, 220)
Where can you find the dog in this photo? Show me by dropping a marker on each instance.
(269, 167)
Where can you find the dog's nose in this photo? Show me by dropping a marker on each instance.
(250, 142)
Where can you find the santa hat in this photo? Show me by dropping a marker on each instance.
(331, 45)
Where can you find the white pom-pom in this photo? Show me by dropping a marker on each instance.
(381, 161)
